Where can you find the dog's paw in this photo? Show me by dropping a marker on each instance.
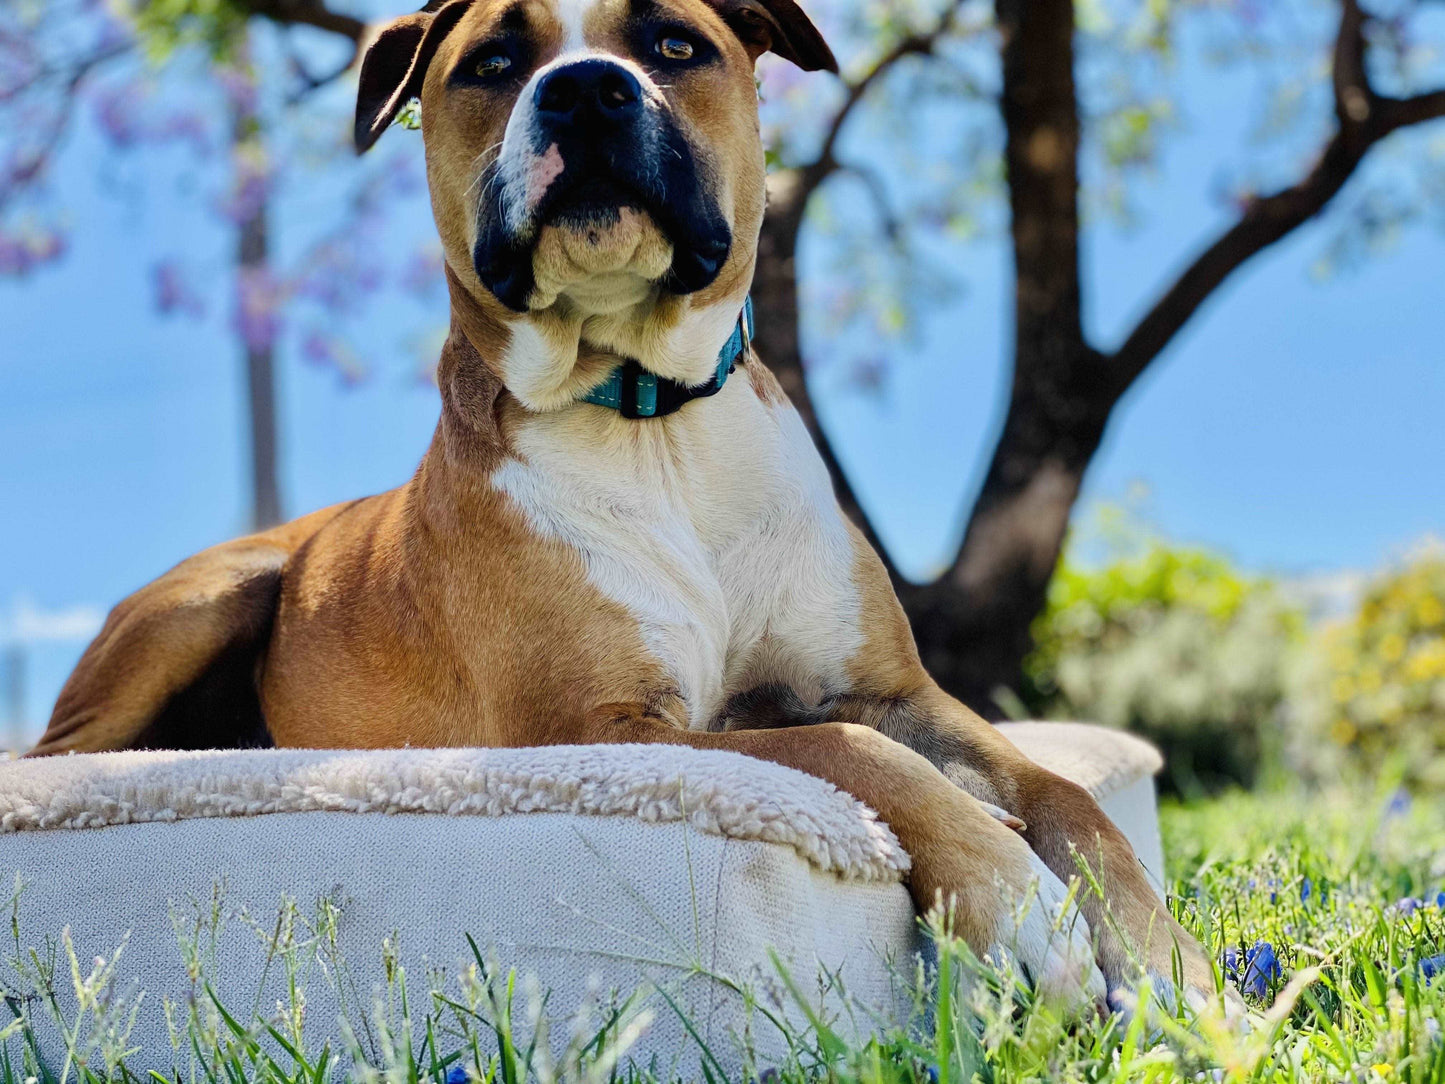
(1050, 939)
(1125, 1000)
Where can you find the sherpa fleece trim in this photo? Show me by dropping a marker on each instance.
(722, 793)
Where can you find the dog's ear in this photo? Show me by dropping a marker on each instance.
(781, 27)
(395, 66)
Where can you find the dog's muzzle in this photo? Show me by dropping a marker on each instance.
(588, 139)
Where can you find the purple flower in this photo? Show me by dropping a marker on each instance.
(258, 302)
(173, 292)
(1261, 967)
(249, 189)
(1432, 966)
(22, 253)
(1409, 905)
(1399, 803)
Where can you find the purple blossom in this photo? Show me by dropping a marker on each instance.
(258, 302)
(173, 293)
(424, 272)
(1261, 967)
(118, 112)
(248, 192)
(1399, 803)
(187, 127)
(1409, 905)
(122, 114)
(240, 89)
(330, 352)
(23, 252)
(1432, 966)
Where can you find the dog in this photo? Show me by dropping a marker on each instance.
(621, 531)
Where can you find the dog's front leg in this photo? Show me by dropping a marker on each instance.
(1003, 897)
(890, 691)
(1061, 822)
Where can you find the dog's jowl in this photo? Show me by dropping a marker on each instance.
(621, 531)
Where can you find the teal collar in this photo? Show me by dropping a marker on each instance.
(635, 393)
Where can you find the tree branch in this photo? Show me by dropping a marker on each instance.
(310, 83)
(1363, 119)
(76, 74)
(789, 194)
(308, 13)
(920, 44)
(59, 125)
(878, 192)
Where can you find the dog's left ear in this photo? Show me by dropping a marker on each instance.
(781, 27)
(394, 68)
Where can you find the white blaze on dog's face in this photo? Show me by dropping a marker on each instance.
(596, 171)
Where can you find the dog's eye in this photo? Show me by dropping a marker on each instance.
(672, 47)
(490, 67)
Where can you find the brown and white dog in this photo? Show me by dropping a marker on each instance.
(557, 572)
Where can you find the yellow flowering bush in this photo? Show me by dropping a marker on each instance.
(1386, 672)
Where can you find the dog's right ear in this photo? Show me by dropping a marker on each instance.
(395, 66)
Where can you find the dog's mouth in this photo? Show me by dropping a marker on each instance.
(597, 191)
(590, 201)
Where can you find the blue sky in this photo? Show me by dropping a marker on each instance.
(1296, 425)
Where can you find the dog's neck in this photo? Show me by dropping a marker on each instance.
(552, 359)
(559, 369)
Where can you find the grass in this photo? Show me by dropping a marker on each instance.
(1322, 908)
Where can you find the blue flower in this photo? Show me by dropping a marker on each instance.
(1440, 899)
(1306, 887)
(1409, 905)
(1399, 803)
(457, 1074)
(1432, 966)
(1261, 967)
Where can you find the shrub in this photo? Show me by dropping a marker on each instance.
(1386, 673)
(1174, 644)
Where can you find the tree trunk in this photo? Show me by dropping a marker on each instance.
(973, 625)
(255, 318)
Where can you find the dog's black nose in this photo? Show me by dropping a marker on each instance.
(595, 89)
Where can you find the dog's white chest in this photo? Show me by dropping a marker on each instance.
(716, 528)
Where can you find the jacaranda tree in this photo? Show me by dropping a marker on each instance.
(962, 106)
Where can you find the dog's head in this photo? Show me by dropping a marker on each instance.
(595, 168)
